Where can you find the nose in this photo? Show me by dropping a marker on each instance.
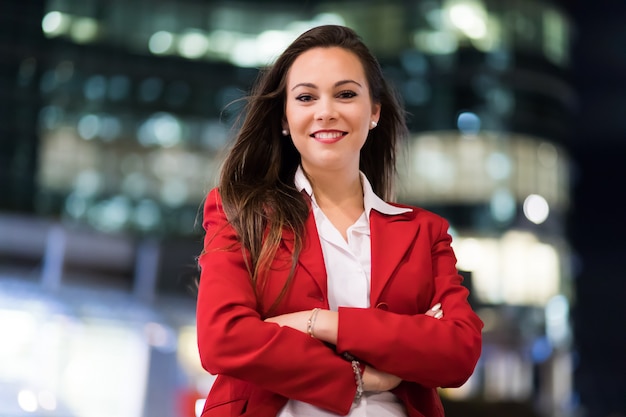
(326, 110)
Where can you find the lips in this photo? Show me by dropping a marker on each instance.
(328, 136)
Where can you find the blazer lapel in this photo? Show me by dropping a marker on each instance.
(311, 257)
(391, 237)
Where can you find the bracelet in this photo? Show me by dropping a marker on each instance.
(310, 324)
(358, 378)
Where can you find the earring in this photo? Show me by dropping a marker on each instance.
(374, 124)
(285, 132)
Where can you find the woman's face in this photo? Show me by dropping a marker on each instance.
(328, 109)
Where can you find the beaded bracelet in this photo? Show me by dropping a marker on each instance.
(310, 324)
(358, 378)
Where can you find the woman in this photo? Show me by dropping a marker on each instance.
(318, 298)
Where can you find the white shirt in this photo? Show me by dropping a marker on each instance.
(348, 266)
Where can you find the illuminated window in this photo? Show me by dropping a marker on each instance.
(516, 269)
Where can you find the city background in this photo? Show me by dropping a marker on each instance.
(114, 116)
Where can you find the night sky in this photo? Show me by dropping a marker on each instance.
(597, 223)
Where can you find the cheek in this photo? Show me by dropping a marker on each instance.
(362, 116)
(291, 120)
(358, 123)
(298, 125)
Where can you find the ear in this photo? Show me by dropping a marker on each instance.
(375, 112)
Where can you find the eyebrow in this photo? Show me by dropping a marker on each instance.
(337, 84)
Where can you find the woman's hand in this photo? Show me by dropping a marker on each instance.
(324, 322)
(375, 380)
(436, 311)
(323, 326)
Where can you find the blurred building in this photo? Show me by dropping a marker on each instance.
(116, 114)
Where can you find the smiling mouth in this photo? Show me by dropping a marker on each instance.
(328, 137)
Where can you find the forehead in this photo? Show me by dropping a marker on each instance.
(326, 64)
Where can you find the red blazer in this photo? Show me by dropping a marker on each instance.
(262, 365)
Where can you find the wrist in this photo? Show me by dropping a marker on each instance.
(358, 370)
(369, 380)
(310, 324)
(325, 326)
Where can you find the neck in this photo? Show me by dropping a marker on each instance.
(334, 190)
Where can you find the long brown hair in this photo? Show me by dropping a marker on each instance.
(256, 182)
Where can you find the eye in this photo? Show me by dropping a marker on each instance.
(347, 94)
(304, 97)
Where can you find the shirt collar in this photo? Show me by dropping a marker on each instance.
(370, 199)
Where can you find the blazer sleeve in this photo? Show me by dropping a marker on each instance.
(234, 340)
(420, 348)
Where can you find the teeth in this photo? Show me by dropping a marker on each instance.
(328, 135)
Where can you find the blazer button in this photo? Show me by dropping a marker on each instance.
(382, 306)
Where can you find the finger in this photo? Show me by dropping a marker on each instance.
(436, 307)
(438, 314)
